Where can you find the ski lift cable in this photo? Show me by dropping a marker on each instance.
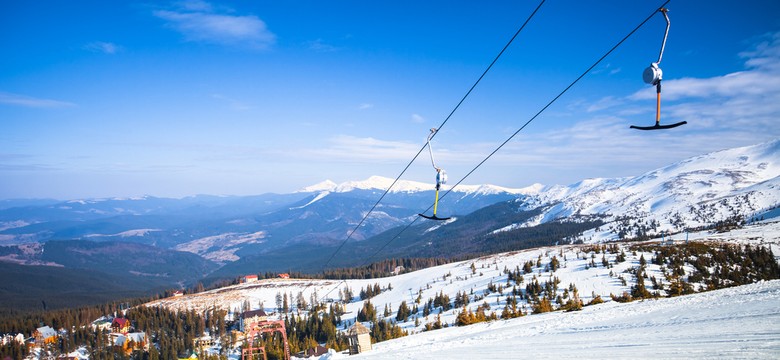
(352, 232)
(553, 100)
(512, 136)
(457, 106)
(521, 128)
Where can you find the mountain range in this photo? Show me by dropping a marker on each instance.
(300, 231)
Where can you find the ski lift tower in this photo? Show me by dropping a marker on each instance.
(256, 330)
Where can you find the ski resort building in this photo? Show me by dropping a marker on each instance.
(251, 318)
(359, 339)
(130, 342)
(120, 325)
(317, 351)
(45, 335)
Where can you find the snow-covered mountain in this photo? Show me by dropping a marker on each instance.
(405, 186)
(269, 228)
(699, 191)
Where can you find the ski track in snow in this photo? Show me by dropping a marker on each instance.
(740, 322)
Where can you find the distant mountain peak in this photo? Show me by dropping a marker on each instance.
(407, 186)
(326, 185)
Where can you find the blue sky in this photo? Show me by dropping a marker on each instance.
(105, 99)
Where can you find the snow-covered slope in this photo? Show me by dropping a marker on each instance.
(736, 322)
(741, 322)
(695, 192)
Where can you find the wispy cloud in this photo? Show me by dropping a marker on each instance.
(103, 47)
(350, 148)
(731, 110)
(750, 97)
(417, 118)
(365, 106)
(606, 68)
(199, 21)
(28, 101)
(320, 46)
(233, 103)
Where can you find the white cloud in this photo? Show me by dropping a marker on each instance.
(103, 47)
(762, 76)
(197, 21)
(737, 102)
(731, 110)
(365, 106)
(27, 101)
(417, 118)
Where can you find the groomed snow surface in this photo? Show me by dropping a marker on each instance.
(740, 322)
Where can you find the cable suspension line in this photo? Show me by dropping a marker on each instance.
(352, 232)
(520, 129)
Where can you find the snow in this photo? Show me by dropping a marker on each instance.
(694, 192)
(735, 322)
(326, 185)
(405, 186)
(124, 234)
(222, 247)
(316, 198)
(740, 322)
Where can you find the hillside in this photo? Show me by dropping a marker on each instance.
(36, 287)
(439, 296)
(231, 236)
(79, 272)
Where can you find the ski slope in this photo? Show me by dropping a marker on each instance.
(739, 322)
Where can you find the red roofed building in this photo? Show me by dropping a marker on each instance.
(284, 276)
(120, 325)
(248, 278)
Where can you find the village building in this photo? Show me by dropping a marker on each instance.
(284, 276)
(8, 339)
(251, 318)
(101, 324)
(204, 342)
(45, 335)
(120, 325)
(317, 351)
(130, 342)
(398, 269)
(359, 338)
(178, 293)
(248, 278)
